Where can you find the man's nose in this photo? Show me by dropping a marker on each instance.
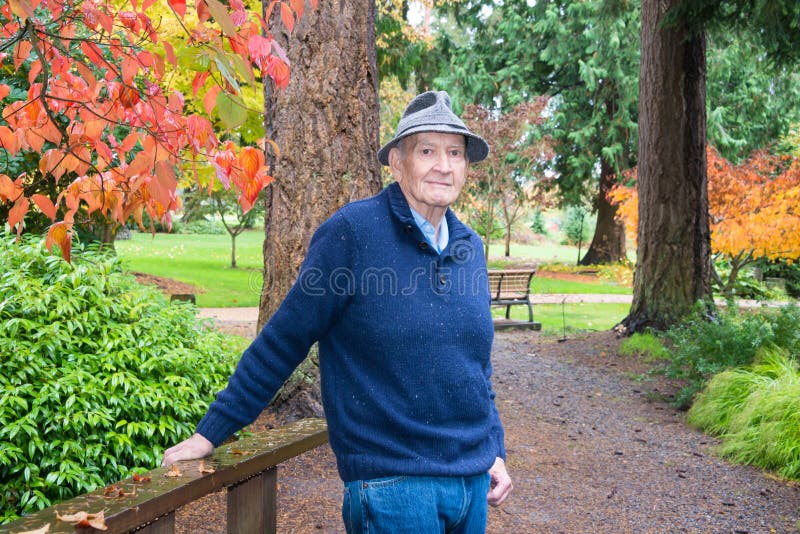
(443, 163)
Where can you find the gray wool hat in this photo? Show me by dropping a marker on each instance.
(431, 112)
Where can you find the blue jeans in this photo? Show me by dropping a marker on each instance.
(416, 505)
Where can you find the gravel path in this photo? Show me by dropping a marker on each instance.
(592, 447)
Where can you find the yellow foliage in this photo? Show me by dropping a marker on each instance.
(754, 207)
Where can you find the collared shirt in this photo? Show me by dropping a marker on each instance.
(430, 232)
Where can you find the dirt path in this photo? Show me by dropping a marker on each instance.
(591, 448)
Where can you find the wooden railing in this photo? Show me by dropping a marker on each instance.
(247, 468)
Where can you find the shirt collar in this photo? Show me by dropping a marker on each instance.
(430, 232)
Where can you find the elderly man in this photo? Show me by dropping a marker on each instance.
(394, 289)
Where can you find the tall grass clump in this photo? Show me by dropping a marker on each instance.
(702, 347)
(98, 374)
(756, 412)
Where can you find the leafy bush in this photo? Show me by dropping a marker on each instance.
(702, 348)
(98, 374)
(200, 226)
(756, 411)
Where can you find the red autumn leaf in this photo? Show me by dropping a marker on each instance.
(170, 54)
(299, 7)
(21, 8)
(251, 160)
(203, 14)
(198, 81)
(21, 53)
(8, 140)
(4, 91)
(53, 162)
(130, 141)
(139, 479)
(210, 98)
(287, 17)
(51, 132)
(179, 6)
(9, 190)
(140, 164)
(46, 205)
(92, 52)
(17, 214)
(87, 74)
(130, 67)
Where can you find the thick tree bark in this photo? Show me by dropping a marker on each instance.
(326, 125)
(608, 243)
(674, 249)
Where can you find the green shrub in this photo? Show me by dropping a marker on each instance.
(702, 348)
(646, 345)
(200, 226)
(578, 226)
(98, 374)
(756, 411)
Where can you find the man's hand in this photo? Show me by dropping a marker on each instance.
(501, 483)
(190, 449)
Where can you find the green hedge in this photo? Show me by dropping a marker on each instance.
(98, 374)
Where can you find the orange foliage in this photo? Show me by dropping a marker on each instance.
(754, 207)
(97, 68)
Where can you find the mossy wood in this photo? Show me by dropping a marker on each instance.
(246, 467)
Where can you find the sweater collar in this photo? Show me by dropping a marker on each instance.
(402, 212)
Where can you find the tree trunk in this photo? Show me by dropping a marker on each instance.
(326, 125)
(674, 246)
(608, 243)
(233, 251)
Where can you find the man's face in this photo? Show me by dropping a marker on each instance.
(431, 169)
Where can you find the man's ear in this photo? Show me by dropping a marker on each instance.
(395, 159)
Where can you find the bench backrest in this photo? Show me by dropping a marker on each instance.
(510, 283)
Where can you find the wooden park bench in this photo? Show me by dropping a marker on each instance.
(146, 504)
(512, 287)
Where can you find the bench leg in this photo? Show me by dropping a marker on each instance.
(530, 312)
(508, 311)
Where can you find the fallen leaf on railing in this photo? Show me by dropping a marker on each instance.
(237, 451)
(140, 479)
(83, 519)
(44, 530)
(173, 472)
(203, 469)
(116, 491)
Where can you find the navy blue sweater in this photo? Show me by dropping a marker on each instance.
(404, 336)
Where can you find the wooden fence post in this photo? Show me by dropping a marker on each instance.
(253, 504)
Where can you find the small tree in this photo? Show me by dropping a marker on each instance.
(224, 203)
(508, 179)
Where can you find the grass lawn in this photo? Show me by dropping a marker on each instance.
(543, 285)
(577, 317)
(203, 261)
